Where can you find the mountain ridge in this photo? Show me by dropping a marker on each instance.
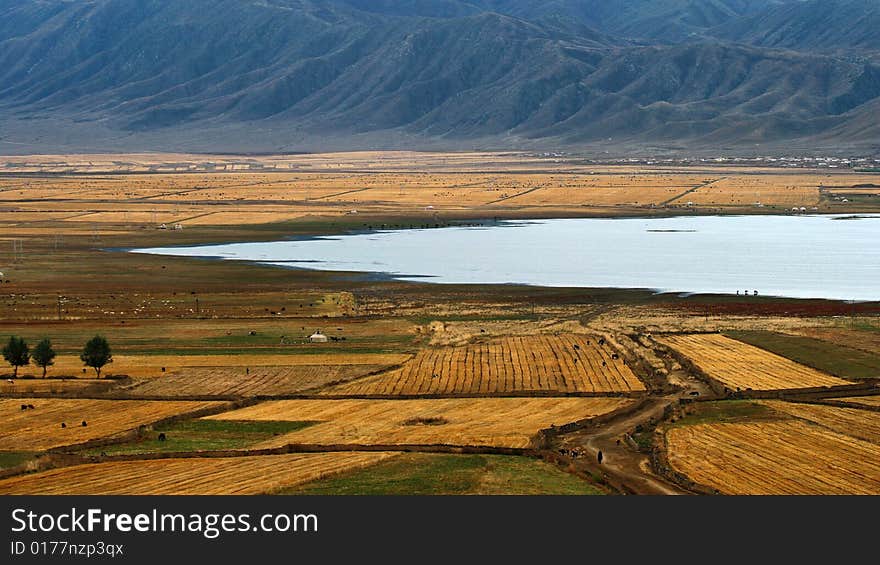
(300, 74)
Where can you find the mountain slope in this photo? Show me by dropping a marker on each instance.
(293, 74)
(826, 25)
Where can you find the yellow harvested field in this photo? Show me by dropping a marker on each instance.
(738, 365)
(29, 386)
(543, 363)
(790, 457)
(748, 190)
(201, 476)
(135, 217)
(31, 216)
(257, 381)
(222, 191)
(243, 217)
(501, 422)
(40, 428)
(151, 365)
(861, 424)
(871, 401)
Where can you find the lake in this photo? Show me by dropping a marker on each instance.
(800, 256)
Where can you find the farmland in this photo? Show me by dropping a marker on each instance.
(740, 366)
(258, 381)
(787, 457)
(853, 422)
(833, 356)
(502, 361)
(438, 473)
(41, 427)
(871, 401)
(231, 475)
(568, 363)
(500, 422)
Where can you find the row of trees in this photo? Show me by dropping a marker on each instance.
(95, 354)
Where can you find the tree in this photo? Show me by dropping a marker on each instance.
(43, 355)
(96, 354)
(17, 354)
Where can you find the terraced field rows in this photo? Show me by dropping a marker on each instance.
(569, 363)
(256, 382)
(863, 400)
(788, 457)
(738, 365)
(861, 424)
(502, 422)
(40, 428)
(30, 386)
(203, 476)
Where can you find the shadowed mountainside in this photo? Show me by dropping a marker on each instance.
(284, 74)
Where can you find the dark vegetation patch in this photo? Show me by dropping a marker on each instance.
(837, 360)
(426, 473)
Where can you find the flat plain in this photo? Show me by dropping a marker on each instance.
(522, 364)
(740, 366)
(199, 476)
(497, 422)
(184, 328)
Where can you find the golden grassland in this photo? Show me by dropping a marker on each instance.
(201, 476)
(237, 329)
(870, 401)
(257, 381)
(164, 366)
(544, 363)
(739, 366)
(40, 428)
(787, 457)
(101, 194)
(500, 422)
(860, 424)
(31, 386)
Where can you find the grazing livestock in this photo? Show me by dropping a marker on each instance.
(63, 425)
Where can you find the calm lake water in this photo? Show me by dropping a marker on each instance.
(794, 256)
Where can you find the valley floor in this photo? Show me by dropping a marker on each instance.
(420, 389)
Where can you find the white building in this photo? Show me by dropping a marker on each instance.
(318, 337)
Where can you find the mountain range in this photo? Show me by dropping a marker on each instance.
(609, 76)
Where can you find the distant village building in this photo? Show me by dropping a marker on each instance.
(318, 337)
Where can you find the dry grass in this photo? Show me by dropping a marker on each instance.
(40, 428)
(503, 422)
(29, 386)
(152, 365)
(863, 400)
(741, 366)
(567, 363)
(202, 476)
(782, 191)
(791, 457)
(225, 191)
(861, 424)
(259, 381)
